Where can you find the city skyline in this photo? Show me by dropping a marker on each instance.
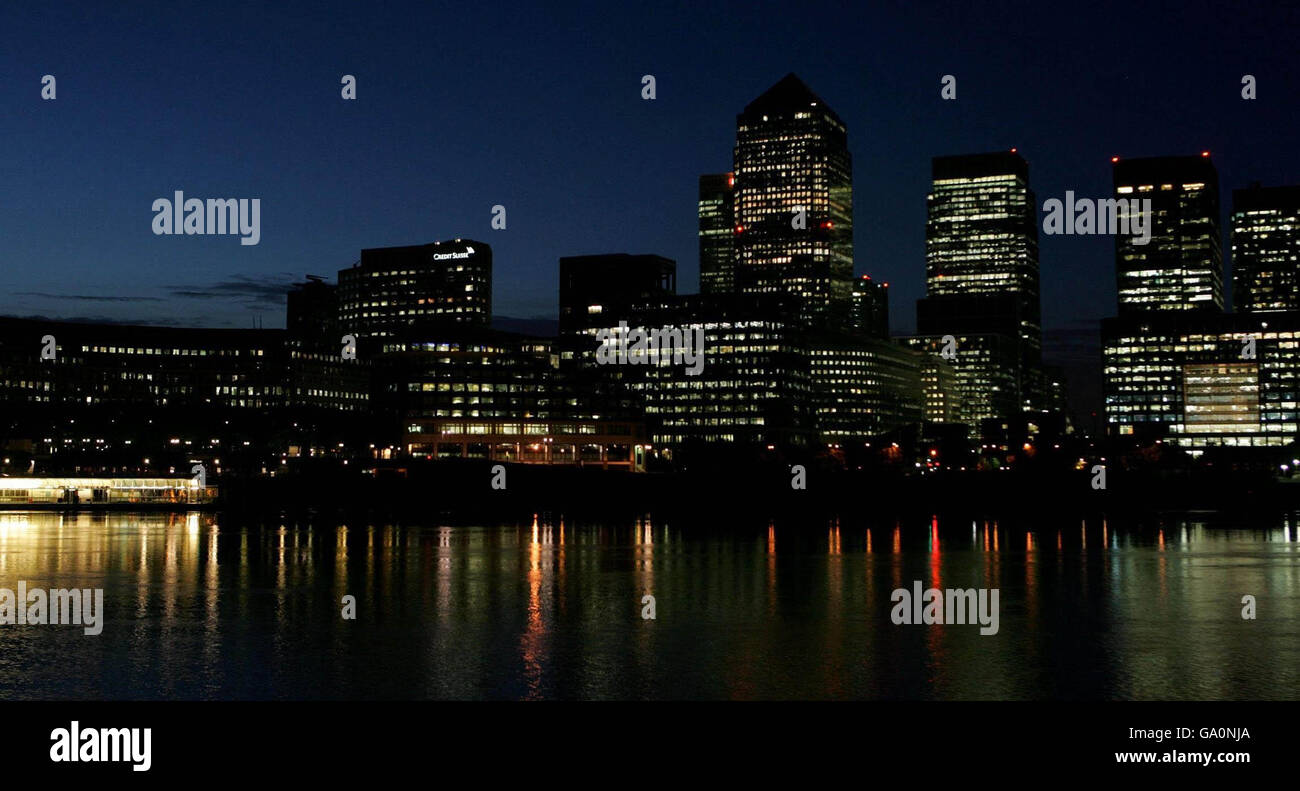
(658, 148)
(1001, 177)
(359, 359)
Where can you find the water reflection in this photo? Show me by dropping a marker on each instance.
(551, 607)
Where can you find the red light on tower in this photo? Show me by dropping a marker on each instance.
(740, 229)
(1013, 151)
(1113, 160)
(1205, 153)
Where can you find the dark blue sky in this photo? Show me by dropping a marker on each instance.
(538, 107)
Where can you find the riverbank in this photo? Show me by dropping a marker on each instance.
(467, 486)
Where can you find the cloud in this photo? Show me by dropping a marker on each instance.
(152, 322)
(255, 291)
(86, 297)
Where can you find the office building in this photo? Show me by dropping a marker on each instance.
(394, 287)
(985, 366)
(982, 274)
(864, 387)
(794, 202)
(717, 214)
(1199, 379)
(1266, 248)
(1180, 266)
(940, 391)
(593, 287)
(129, 398)
(870, 308)
(753, 386)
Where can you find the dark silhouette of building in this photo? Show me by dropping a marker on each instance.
(870, 308)
(717, 213)
(312, 313)
(1266, 248)
(595, 286)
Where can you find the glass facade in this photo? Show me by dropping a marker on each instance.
(717, 213)
(982, 235)
(985, 368)
(104, 491)
(1181, 266)
(1204, 380)
(794, 202)
(864, 387)
(1266, 248)
(982, 273)
(459, 373)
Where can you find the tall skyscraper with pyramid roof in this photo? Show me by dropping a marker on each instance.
(794, 202)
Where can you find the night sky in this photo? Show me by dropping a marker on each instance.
(539, 109)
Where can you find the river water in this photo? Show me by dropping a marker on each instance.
(198, 606)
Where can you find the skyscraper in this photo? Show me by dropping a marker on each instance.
(1175, 366)
(311, 314)
(870, 308)
(1180, 267)
(1266, 248)
(1200, 379)
(717, 214)
(863, 387)
(987, 386)
(394, 287)
(982, 280)
(794, 202)
(981, 235)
